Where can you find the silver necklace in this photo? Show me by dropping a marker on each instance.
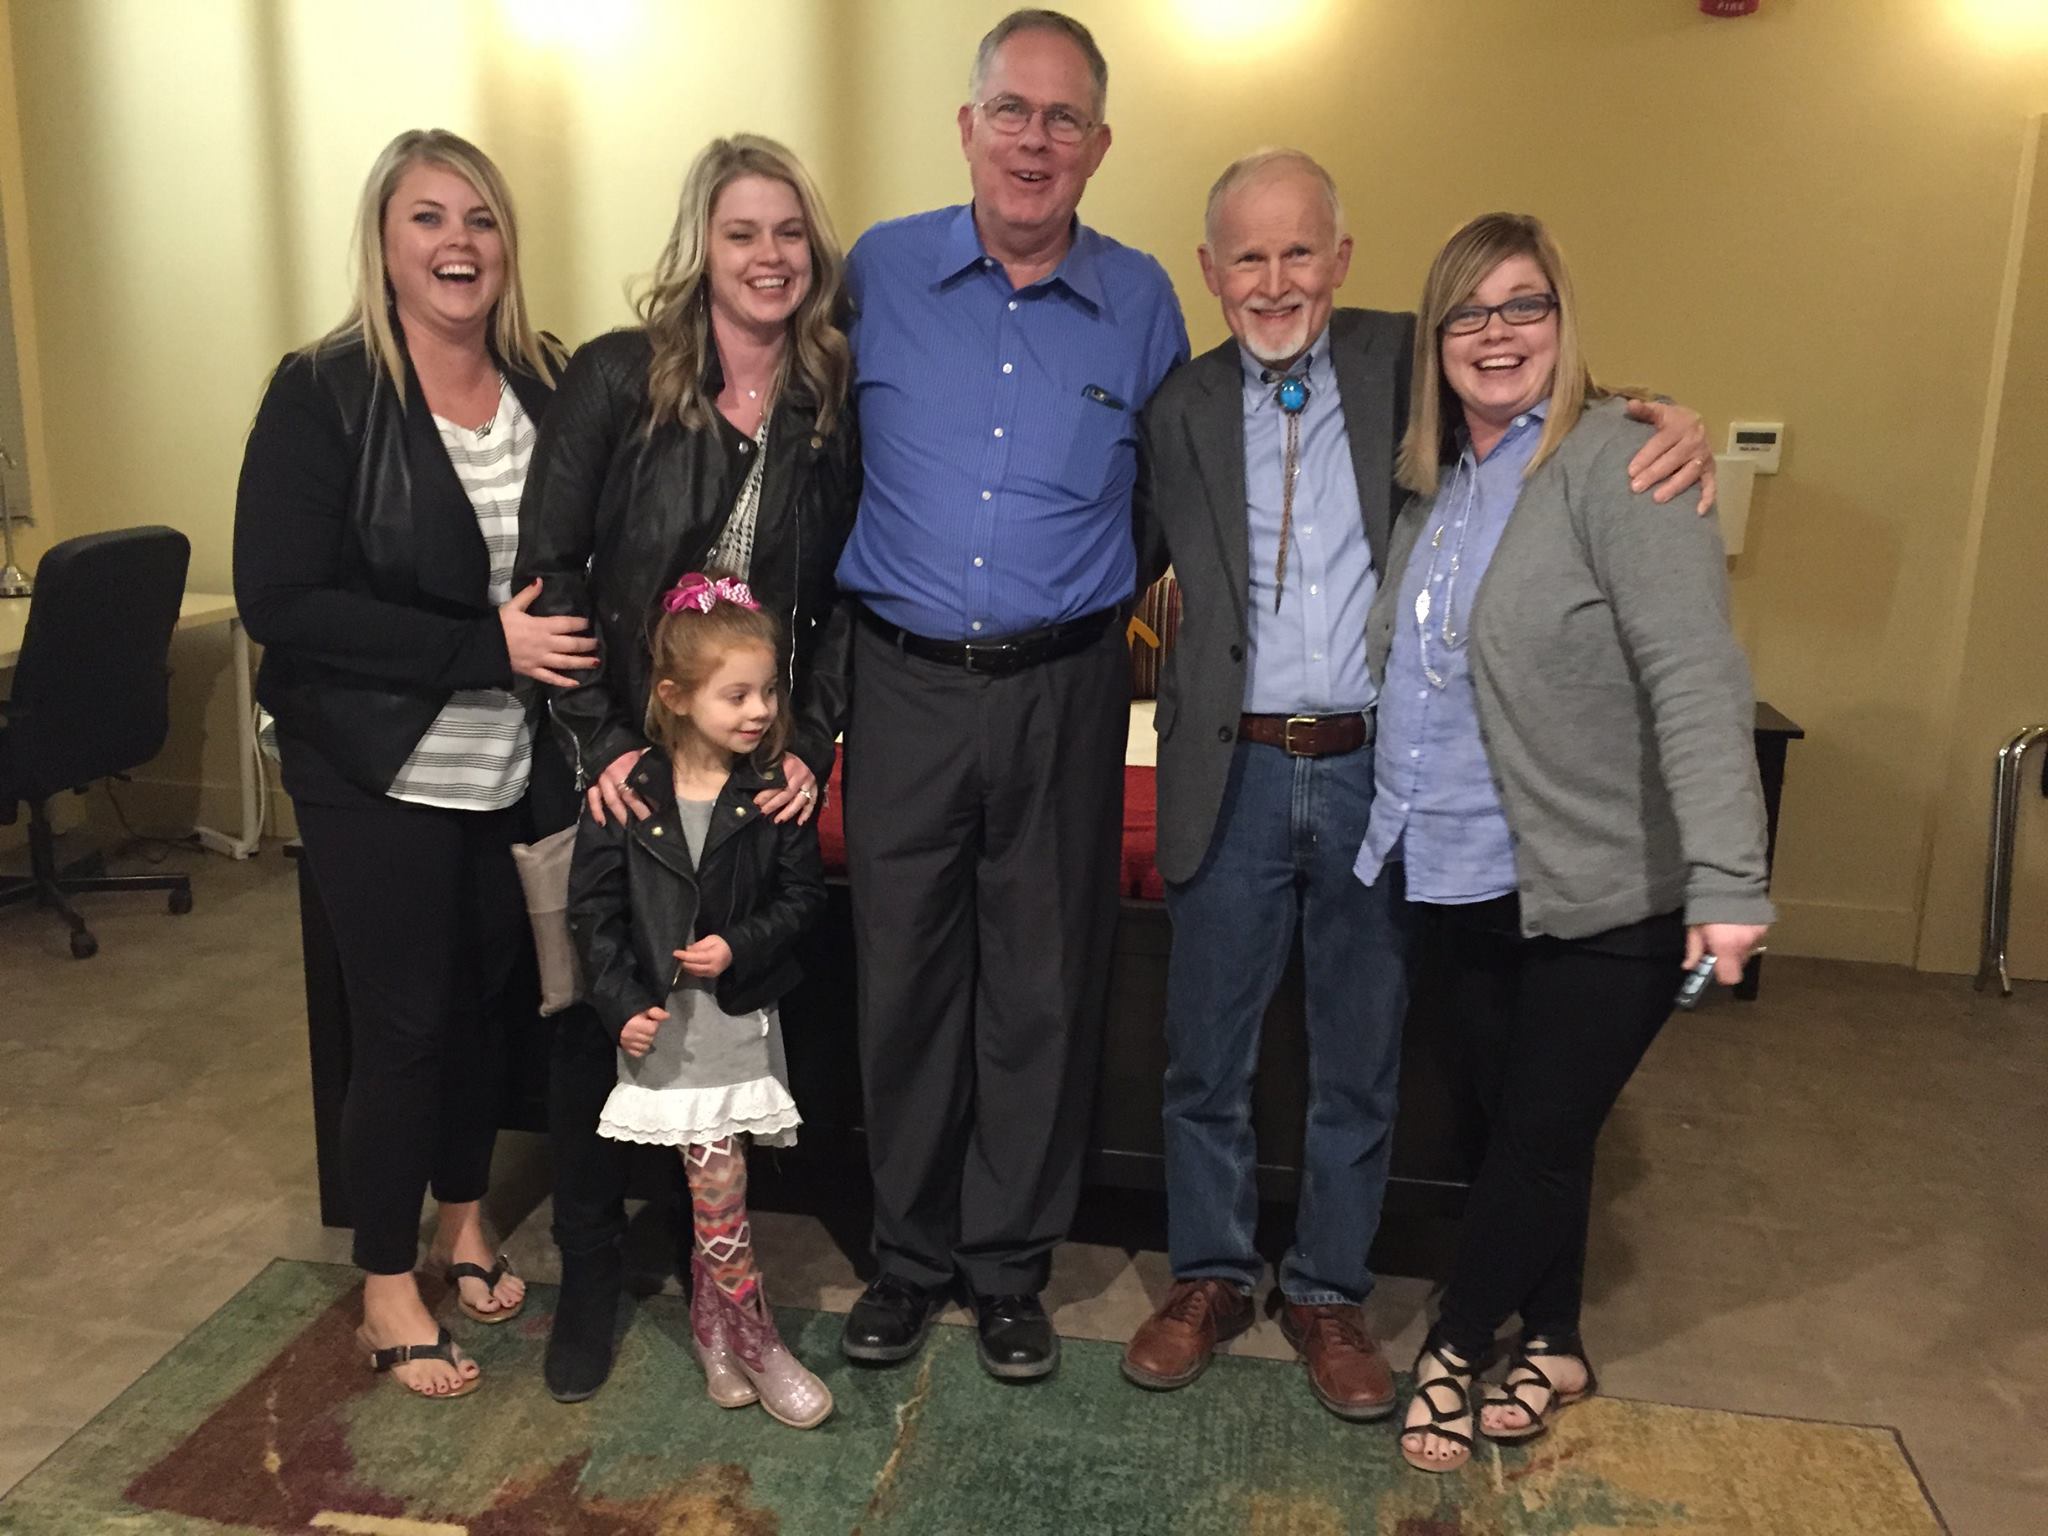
(497, 406)
(1452, 639)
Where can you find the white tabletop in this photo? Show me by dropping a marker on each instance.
(1141, 748)
(196, 610)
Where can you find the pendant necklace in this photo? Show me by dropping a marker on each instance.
(1292, 398)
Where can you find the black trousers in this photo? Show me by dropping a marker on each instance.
(1550, 1032)
(984, 823)
(590, 1170)
(432, 934)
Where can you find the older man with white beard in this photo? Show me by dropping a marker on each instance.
(1270, 464)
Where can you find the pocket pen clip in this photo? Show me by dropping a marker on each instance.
(1102, 396)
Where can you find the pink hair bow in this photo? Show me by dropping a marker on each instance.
(700, 592)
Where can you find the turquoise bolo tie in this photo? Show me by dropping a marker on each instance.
(1292, 398)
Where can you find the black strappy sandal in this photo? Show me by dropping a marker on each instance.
(1523, 1374)
(1458, 1383)
(442, 1349)
(455, 1273)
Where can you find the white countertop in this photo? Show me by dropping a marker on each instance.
(195, 611)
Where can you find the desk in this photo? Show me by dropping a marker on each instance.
(1774, 733)
(196, 610)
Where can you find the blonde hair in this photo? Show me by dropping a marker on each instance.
(369, 319)
(687, 647)
(676, 306)
(1460, 267)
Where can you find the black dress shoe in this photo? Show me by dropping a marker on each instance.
(579, 1355)
(1014, 1338)
(890, 1320)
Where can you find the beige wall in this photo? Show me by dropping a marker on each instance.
(190, 174)
(1805, 215)
(2001, 658)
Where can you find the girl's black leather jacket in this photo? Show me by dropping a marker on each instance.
(636, 897)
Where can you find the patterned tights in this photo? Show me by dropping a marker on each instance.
(717, 1172)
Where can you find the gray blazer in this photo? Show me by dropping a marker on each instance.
(1193, 512)
(1614, 704)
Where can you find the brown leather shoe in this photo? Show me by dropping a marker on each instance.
(1175, 1343)
(1345, 1368)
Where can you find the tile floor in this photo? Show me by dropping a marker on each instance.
(1831, 1203)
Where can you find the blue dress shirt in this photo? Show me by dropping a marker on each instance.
(999, 439)
(1434, 801)
(1308, 658)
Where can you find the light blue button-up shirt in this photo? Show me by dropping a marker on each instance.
(999, 426)
(1434, 802)
(1308, 658)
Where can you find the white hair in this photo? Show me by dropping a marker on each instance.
(1257, 165)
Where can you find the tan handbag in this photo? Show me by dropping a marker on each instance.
(544, 876)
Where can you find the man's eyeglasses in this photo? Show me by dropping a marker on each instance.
(1011, 115)
(1522, 309)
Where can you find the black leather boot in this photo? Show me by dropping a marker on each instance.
(579, 1356)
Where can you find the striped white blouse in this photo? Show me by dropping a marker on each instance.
(476, 754)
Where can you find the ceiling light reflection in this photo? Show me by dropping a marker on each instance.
(1246, 26)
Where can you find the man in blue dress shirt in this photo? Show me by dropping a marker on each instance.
(1270, 465)
(1003, 352)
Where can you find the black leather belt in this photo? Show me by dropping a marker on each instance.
(1307, 735)
(1002, 656)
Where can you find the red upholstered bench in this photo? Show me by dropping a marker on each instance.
(1432, 1150)
(1433, 1143)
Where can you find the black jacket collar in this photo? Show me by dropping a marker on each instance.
(452, 563)
(661, 834)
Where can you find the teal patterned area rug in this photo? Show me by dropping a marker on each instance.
(265, 1419)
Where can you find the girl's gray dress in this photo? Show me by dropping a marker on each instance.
(710, 1074)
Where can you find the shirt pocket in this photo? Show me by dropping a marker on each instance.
(1101, 443)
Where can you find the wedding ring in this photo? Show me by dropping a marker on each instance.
(809, 792)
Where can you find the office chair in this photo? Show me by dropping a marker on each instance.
(91, 699)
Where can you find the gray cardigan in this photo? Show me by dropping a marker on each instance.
(1614, 704)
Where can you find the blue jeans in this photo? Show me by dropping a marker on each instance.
(1281, 855)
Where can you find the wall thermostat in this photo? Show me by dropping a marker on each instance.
(1758, 441)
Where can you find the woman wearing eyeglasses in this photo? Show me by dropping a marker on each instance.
(1565, 769)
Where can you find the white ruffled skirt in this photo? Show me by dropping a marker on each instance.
(685, 1117)
(710, 1075)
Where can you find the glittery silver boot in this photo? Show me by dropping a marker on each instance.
(791, 1394)
(724, 1382)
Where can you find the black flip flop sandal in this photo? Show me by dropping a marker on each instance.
(442, 1349)
(490, 1278)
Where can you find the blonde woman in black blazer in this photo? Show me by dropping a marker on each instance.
(374, 531)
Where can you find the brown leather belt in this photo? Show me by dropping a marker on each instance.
(1307, 735)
